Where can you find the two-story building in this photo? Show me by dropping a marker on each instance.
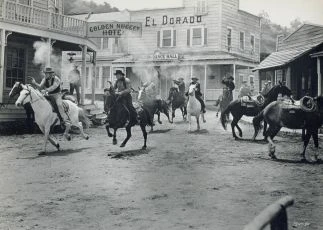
(33, 34)
(208, 39)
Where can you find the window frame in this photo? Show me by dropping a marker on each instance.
(199, 7)
(253, 47)
(162, 37)
(231, 36)
(202, 36)
(244, 41)
(23, 69)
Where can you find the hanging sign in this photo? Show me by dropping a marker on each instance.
(114, 29)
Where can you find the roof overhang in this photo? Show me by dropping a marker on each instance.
(280, 59)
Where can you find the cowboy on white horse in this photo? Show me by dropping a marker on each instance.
(51, 86)
(198, 93)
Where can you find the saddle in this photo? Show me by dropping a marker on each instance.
(305, 104)
(54, 106)
(254, 101)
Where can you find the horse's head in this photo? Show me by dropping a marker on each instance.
(24, 96)
(191, 90)
(109, 97)
(276, 90)
(172, 92)
(16, 89)
(142, 94)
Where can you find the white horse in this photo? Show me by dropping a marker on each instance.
(46, 118)
(194, 107)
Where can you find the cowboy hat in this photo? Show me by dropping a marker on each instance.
(194, 78)
(48, 70)
(118, 72)
(180, 79)
(230, 77)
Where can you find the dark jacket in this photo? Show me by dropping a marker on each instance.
(228, 84)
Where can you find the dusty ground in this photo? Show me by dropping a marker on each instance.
(201, 180)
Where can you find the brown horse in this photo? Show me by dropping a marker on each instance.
(238, 110)
(178, 101)
(278, 115)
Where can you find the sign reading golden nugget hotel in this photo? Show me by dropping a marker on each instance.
(114, 29)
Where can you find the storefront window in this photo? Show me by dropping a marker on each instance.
(15, 67)
(252, 43)
(229, 38)
(105, 76)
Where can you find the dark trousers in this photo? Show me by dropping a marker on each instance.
(199, 98)
(127, 100)
(77, 89)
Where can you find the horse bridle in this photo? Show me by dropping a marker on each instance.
(31, 98)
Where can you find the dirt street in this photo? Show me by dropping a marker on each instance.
(199, 180)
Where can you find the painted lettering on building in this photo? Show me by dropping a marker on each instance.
(165, 56)
(166, 20)
(113, 29)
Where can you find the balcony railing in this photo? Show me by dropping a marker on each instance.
(23, 14)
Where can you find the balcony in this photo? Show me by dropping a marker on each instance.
(41, 19)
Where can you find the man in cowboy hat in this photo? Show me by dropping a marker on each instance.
(181, 85)
(229, 85)
(75, 83)
(198, 93)
(244, 90)
(51, 86)
(123, 89)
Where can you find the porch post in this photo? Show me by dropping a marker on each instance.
(94, 77)
(205, 70)
(235, 79)
(49, 43)
(319, 77)
(84, 51)
(2, 49)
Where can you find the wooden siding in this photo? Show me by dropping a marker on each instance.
(240, 21)
(305, 36)
(147, 44)
(42, 4)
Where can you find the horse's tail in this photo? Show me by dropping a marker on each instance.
(224, 116)
(84, 119)
(256, 121)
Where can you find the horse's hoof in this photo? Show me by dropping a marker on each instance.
(303, 160)
(240, 134)
(87, 137)
(144, 147)
(57, 146)
(114, 142)
(42, 153)
(110, 135)
(68, 137)
(122, 145)
(160, 122)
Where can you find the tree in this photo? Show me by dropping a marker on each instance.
(84, 7)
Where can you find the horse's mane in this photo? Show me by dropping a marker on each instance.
(274, 89)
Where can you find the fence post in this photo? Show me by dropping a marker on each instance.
(274, 215)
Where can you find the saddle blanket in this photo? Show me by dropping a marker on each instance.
(306, 104)
(255, 101)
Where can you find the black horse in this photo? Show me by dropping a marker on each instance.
(178, 101)
(154, 106)
(278, 115)
(238, 110)
(30, 115)
(223, 101)
(118, 116)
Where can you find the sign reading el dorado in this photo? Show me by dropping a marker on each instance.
(114, 29)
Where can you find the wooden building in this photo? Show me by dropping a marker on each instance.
(297, 61)
(24, 22)
(208, 39)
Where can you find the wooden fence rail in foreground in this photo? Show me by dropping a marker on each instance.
(274, 215)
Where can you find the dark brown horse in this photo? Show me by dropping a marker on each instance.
(278, 115)
(223, 101)
(118, 116)
(238, 110)
(154, 106)
(178, 101)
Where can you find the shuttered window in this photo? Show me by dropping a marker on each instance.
(174, 37)
(188, 37)
(158, 39)
(167, 38)
(242, 40)
(229, 38)
(205, 36)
